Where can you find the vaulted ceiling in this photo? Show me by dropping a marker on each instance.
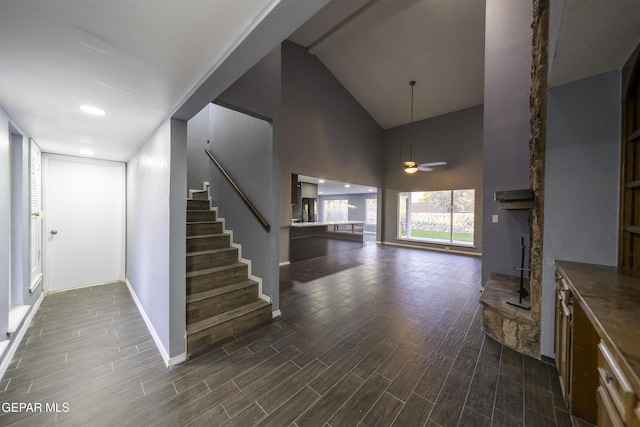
(140, 60)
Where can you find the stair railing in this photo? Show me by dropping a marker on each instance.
(250, 205)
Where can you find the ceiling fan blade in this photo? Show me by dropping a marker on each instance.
(433, 164)
(424, 168)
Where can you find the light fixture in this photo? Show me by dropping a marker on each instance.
(89, 109)
(347, 185)
(411, 166)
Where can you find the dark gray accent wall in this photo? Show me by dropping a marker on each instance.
(455, 138)
(582, 189)
(325, 131)
(507, 84)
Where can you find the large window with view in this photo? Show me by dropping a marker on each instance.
(437, 216)
(335, 210)
(371, 212)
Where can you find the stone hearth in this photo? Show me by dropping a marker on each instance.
(512, 326)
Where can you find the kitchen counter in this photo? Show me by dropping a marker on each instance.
(325, 223)
(610, 298)
(311, 239)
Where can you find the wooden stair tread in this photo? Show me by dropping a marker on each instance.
(203, 236)
(204, 222)
(212, 251)
(221, 290)
(226, 316)
(215, 269)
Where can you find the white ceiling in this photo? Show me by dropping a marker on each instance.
(327, 187)
(140, 60)
(135, 59)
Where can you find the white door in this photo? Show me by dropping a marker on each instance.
(84, 202)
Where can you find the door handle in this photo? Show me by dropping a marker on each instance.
(54, 232)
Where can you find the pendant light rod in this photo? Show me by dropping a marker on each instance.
(412, 83)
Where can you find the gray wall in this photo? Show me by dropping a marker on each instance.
(325, 131)
(581, 211)
(15, 221)
(156, 226)
(5, 220)
(455, 138)
(256, 93)
(243, 146)
(20, 227)
(507, 83)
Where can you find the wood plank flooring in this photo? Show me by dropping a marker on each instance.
(369, 336)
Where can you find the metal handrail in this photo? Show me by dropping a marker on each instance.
(250, 205)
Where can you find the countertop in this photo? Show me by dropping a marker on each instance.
(610, 297)
(324, 224)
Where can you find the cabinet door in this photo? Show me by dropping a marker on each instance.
(563, 338)
(607, 414)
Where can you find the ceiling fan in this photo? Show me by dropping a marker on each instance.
(411, 166)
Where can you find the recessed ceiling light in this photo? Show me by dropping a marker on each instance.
(321, 181)
(371, 189)
(319, 192)
(86, 151)
(92, 110)
(347, 185)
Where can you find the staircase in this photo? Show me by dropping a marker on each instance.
(222, 300)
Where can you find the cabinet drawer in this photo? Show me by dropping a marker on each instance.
(616, 384)
(607, 412)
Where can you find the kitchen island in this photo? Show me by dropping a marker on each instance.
(310, 239)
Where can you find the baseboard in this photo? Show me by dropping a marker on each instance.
(16, 337)
(276, 313)
(168, 361)
(432, 248)
(283, 263)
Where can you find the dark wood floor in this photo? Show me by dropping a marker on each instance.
(370, 336)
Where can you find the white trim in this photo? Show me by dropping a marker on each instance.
(82, 286)
(431, 248)
(283, 263)
(36, 282)
(276, 313)
(238, 246)
(168, 361)
(10, 349)
(16, 314)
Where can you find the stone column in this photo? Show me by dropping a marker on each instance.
(537, 144)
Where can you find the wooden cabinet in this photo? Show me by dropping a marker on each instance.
(619, 399)
(563, 335)
(630, 191)
(596, 342)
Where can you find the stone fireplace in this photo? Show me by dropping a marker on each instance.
(513, 326)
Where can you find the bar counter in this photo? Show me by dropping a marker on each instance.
(310, 239)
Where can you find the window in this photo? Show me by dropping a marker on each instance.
(437, 216)
(371, 212)
(335, 210)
